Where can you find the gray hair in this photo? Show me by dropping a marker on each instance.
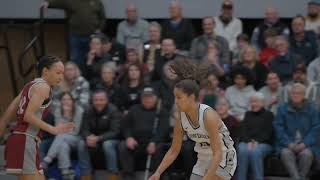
(298, 86)
(258, 95)
(156, 25)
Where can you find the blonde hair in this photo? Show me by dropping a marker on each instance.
(246, 48)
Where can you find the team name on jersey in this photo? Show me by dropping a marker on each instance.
(197, 135)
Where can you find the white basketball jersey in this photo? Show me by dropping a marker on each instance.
(201, 137)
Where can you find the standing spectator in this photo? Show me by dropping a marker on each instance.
(199, 45)
(63, 143)
(152, 49)
(211, 91)
(239, 93)
(74, 83)
(313, 17)
(297, 130)
(228, 26)
(140, 140)
(268, 52)
(249, 58)
(113, 51)
(285, 62)
(133, 31)
(271, 20)
(272, 92)
(255, 144)
(303, 42)
(178, 28)
(313, 70)
(100, 129)
(85, 18)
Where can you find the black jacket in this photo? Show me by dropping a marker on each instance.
(105, 124)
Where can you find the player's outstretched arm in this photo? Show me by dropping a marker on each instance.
(173, 152)
(39, 93)
(212, 123)
(9, 114)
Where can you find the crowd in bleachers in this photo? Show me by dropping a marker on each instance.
(266, 89)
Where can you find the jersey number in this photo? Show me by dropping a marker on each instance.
(21, 105)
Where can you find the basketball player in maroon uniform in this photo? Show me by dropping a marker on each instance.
(29, 107)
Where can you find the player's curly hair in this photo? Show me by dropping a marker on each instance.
(189, 75)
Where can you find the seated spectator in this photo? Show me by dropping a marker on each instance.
(109, 84)
(211, 91)
(302, 42)
(177, 27)
(131, 87)
(299, 76)
(47, 138)
(140, 138)
(132, 57)
(272, 92)
(313, 17)
(63, 143)
(74, 83)
(164, 87)
(239, 93)
(268, 52)
(133, 31)
(169, 53)
(242, 42)
(255, 144)
(113, 51)
(297, 130)
(313, 70)
(95, 59)
(271, 21)
(152, 48)
(100, 129)
(249, 58)
(212, 58)
(227, 25)
(285, 62)
(199, 45)
(222, 108)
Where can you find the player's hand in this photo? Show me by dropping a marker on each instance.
(155, 176)
(62, 128)
(44, 5)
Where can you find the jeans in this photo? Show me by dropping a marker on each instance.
(79, 48)
(110, 152)
(254, 158)
(298, 165)
(44, 146)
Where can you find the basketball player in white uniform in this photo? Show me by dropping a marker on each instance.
(216, 155)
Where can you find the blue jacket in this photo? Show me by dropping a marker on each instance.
(288, 120)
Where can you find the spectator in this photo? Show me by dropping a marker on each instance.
(109, 84)
(299, 76)
(95, 59)
(199, 45)
(303, 42)
(297, 130)
(178, 28)
(272, 92)
(85, 18)
(313, 18)
(271, 20)
(222, 108)
(285, 62)
(47, 138)
(239, 93)
(131, 87)
(113, 51)
(100, 129)
(133, 31)
(255, 144)
(137, 130)
(313, 70)
(63, 143)
(242, 42)
(268, 52)
(74, 83)
(227, 25)
(152, 49)
(212, 58)
(249, 58)
(169, 53)
(211, 91)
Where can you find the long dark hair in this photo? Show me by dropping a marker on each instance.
(46, 62)
(189, 74)
(73, 101)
